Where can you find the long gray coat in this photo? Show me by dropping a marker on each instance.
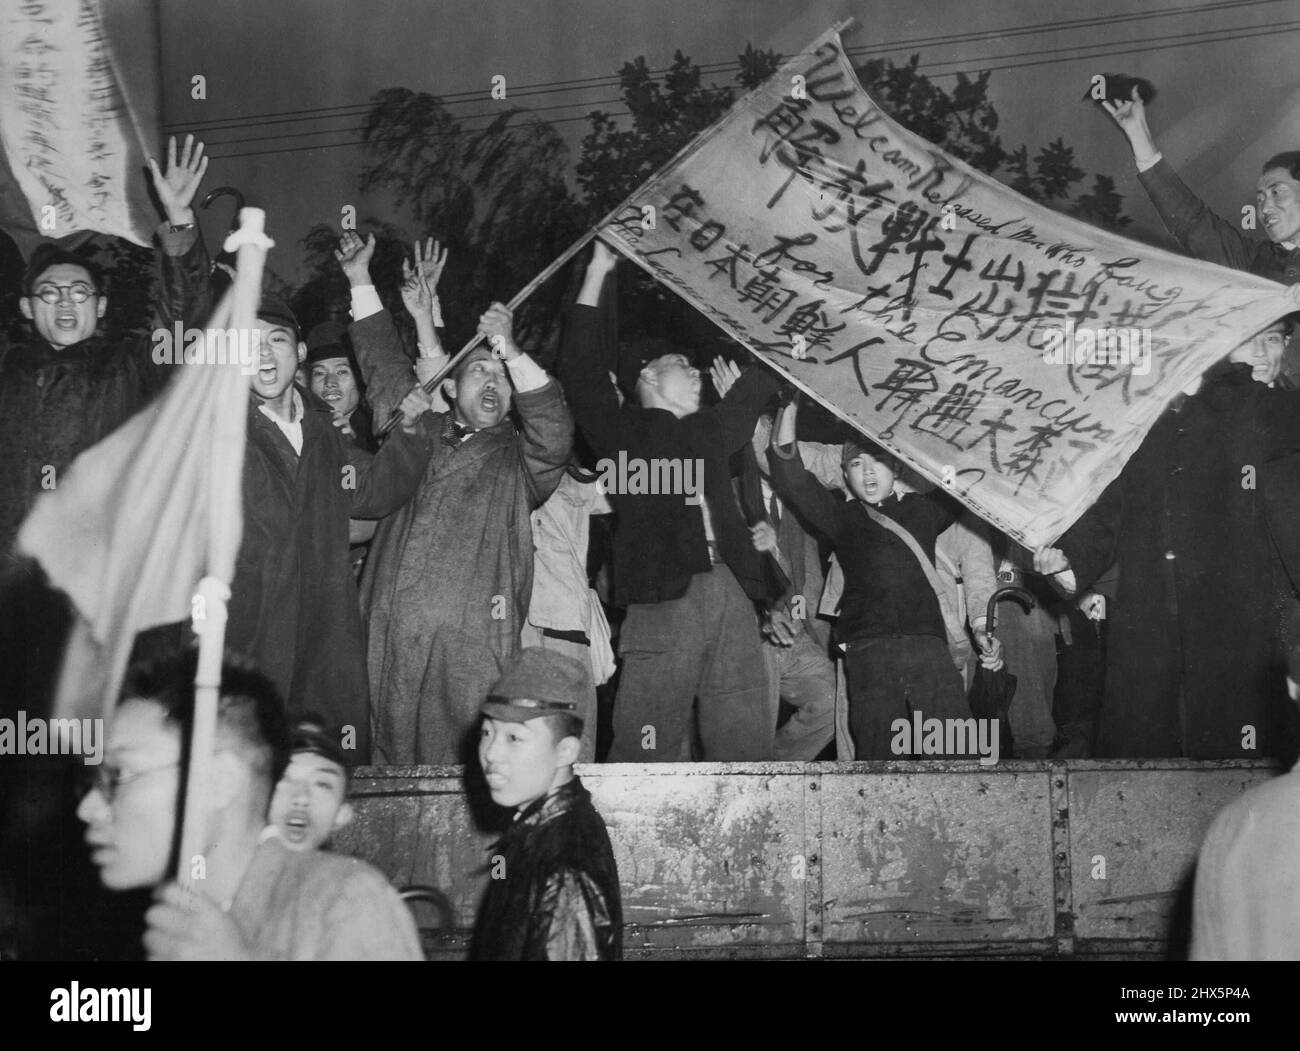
(446, 587)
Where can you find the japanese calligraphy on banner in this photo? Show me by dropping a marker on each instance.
(1014, 355)
(74, 137)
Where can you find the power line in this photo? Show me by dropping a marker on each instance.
(436, 134)
(1245, 33)
(401, 138)
(592, 83)
(1222, 38)
(1213, 36)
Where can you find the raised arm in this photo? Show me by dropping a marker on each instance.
(385, 366)
(546, 428)
(184, 292)
(386, 480)
(1201, 233)
(583, 365)
(795, 485)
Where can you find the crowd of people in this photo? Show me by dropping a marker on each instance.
(442, 605)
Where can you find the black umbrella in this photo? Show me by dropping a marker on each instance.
(992, 691)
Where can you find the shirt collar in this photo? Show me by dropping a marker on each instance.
(296, 410)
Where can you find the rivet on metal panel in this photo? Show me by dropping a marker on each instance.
(1060, 855)
(1060, 782)
(812, 786)
(813, 859)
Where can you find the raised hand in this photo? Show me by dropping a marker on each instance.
(1131, 116)
(417, 295)
(177, 186)
(354, 255)
(724, 373)
(603, 258)
(497, 325)
(430, 262)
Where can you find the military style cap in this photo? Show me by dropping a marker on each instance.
(538, 682)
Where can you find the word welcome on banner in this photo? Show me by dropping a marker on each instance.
(1012, 354)
(70, 139)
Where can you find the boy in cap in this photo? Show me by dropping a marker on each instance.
(310, 802)
(558, 896)
(890, 622)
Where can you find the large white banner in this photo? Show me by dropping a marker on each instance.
(1008, 352)
(74, 147)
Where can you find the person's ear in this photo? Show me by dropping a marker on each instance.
(567, 750)
(449, 392)
(25, 305)
(103, 306)
(344, 817)
(302, 352)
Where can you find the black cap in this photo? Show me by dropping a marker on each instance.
(328, 340)
(274, 309)
(539, 682)
(312, 733)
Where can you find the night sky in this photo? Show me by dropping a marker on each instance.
(1224, 105)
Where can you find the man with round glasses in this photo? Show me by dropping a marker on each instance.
(68, 386)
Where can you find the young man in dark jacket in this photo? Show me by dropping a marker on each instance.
(69, 387)
(293, 606)
(890, 620)
(684, 563)
(554, 891)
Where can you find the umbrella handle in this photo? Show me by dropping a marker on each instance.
(1012, 591)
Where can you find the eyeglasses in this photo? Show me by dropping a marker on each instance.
(78, 293)
(108, 779)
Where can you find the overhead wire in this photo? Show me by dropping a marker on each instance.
(592, 83)
(1078, 52)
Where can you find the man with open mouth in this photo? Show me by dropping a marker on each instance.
(447, 582)
(294, 608)
(69, 386)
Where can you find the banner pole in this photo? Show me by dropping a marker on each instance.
(532, 286)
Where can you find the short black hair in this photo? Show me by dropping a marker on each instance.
(1288, 162)
(562, 725)
(250, 712)
(49, 254)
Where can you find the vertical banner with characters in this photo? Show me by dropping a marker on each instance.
(1014, 355)
(77, 121)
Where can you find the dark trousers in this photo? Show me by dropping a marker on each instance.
(892, 677)
(704, 645)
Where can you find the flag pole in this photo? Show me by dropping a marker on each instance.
(209, 619)
(696, 142)
(519, 297)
